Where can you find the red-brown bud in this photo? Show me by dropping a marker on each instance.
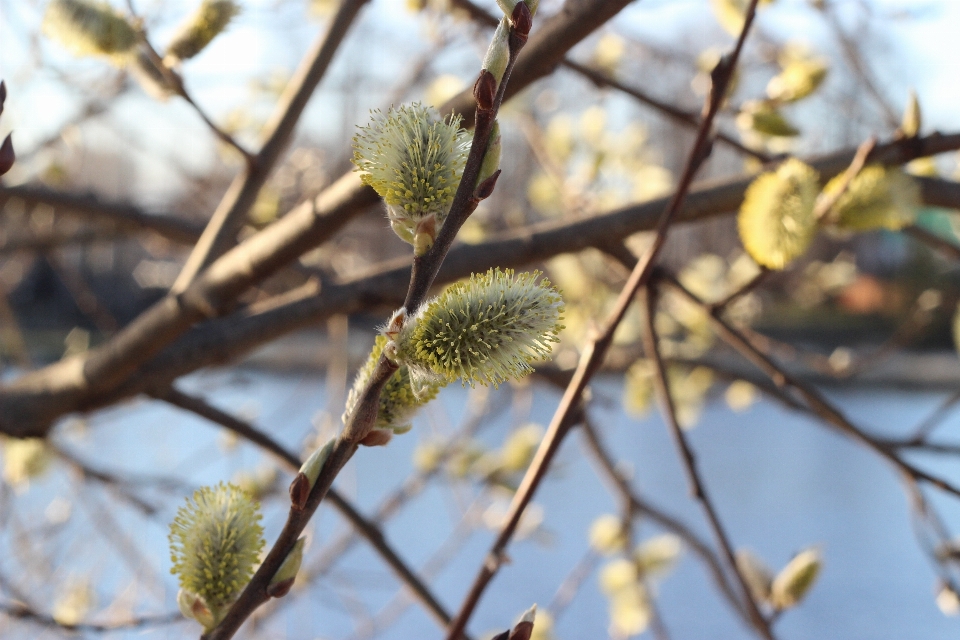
(485, 90)
(522, 631)
(377, 438)
(485, 188)
(522, 20)
(299, 491)
(7, 156)
(3, 94)
(280, 589)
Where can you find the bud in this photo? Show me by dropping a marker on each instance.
(491, 160)
(776, 220)
(507, 6)
(283, 579)
(215, 541)
(658, 555)
(756, 574)
(209, 21)
(3, 95)
(485, 90)
(150, 77)
(522, 19)
(377, 438)
(877, 198)
(798, 79)
(7, 155)
(192, 606)
(524, 628)
(311, 468)
(414, 160)
(399, 401)
(498, 53)
(24, 459)
(607, 535)
(912, 120)
(88, 27)
(794, 580)
(486, 329)
(765, 118)
(304, 481)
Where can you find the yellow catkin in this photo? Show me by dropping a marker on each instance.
(776, 220)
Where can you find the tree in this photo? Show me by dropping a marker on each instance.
(597, 212)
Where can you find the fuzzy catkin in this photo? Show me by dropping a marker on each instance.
(215, 541)
(413, 159)
(776, 220)
(209, 21)
(485, 330)
(398, 401)
(86, 27)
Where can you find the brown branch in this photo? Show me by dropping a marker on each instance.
(124, 216)
(697, 487)
(592, 356)
(366, 528)
(221, 232)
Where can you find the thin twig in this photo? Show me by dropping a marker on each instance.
(697, 487)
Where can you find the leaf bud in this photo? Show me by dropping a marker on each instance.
(524, 628)
(507, 6)
(283, 579)
(522, 19)
(485, 90)
(90, 27)
(7, 155)
(192, 606)
(209, 21)
(912, 120)
(311, 468)
(491, 159)
(377, 438)
(498, 53)
(794, 580)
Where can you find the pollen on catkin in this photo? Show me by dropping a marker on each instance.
(486, 330)
(413, 159)
(88, 27)
(209, 21)
(398, 401)
(215, 541)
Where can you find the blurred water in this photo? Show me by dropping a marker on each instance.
(780, 481)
